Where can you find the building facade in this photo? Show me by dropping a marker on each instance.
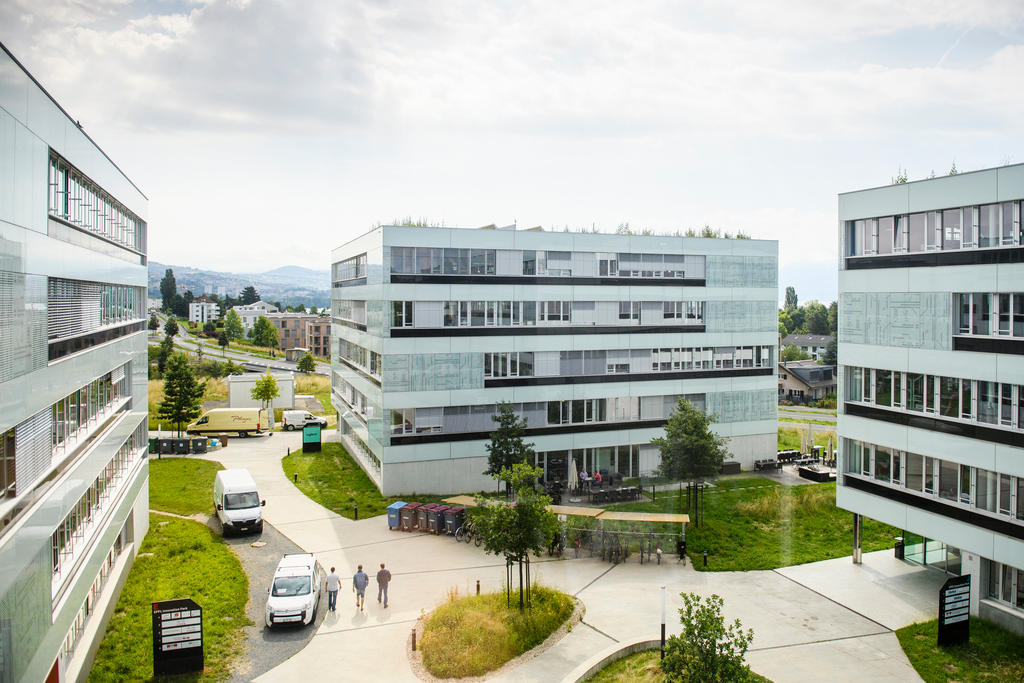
(802, 381)
(591, 337)
(74, 475)
(250, 313)
(814, 345)
(304, 331)
(203, 310)
(931, 376)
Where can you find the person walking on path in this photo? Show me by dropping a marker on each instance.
(359, 582)
(332, 583)
(383, 579)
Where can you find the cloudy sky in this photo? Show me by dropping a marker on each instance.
(267, 132)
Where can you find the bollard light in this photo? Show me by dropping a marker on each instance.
(414, 639)
(478, 586)
(705, 558)
(663, 622)
(357, 511)
(295, 477)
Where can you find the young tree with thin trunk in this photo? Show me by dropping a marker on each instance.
(265, 391)
(307, 364)
(507, 447)
(707, 649)
(233, 325)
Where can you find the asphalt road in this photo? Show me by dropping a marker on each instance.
(266, 648)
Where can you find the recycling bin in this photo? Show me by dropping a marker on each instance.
(453, 519)
(180, 446)
(154, 445)
(166, 446)
(395, 514)
(199, 445)
(423, 516)
(436, 519)
(408, 516)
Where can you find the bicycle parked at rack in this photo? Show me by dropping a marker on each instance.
(468, 533)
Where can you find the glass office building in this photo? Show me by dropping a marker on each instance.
(931, 377)
(592, 338)
(73, 469)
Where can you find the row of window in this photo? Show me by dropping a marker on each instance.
(83, 408)
(75, 307)
(968, 227)
(623, 459)
(980, 401)
(368, 360)
(981, 489)
(477, 418)
(623, 361)
(1005, 583)
(352, 397)
(8, 471)
(531, 313)
(69, 536)
(528, 262)
(76, 199)
(988, 314)
(89, 605)
(350, 269)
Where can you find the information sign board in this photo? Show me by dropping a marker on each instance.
(954, 610)
(177, 636)
(311, 438)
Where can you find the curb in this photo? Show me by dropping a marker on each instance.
(613, 653)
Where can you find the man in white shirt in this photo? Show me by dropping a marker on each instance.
(332, 583)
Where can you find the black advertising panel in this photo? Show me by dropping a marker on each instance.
(954, 610)
(177, 636)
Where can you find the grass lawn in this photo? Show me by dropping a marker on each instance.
(333, 479)
(639, 667)
(831, 423)
(752, 522)
(790, 438)
(188, 560)
(992, 654)
(471, 636)
(182, 485)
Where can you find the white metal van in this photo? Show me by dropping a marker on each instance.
(297, 419)
(294, 593)
(237, 502)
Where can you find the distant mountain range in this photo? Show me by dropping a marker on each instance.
(288, 284)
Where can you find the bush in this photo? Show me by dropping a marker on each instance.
(706, 649)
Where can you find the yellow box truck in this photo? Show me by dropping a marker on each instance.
(240, 421)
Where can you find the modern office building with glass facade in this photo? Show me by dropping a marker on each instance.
(591, 337)
(74, 475)
(931, 377)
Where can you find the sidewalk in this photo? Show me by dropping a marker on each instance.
(827, 620)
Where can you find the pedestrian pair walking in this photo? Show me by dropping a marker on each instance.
(360, 581)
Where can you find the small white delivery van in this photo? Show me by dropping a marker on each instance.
(237, 502)
(294, 594)
(297, 419)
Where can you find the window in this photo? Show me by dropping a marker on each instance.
(482, 262)
(883, 387)
(629, 310)
(401, 314)
(456, 261)
(981, 305)
(529, 262)
(673, 309)
(948, 480)
(428, 261)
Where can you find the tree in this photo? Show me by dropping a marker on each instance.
(264, 333)
(154, 324)
(517, 529)
(178, 306)
(706, 650)
(299, 308)
(307, 364)
(233, 325)
(223, 341)
(952, 169)
(507, 447)
(265, 390)
(793, 352)
(816, 318)
(168, 288)
(183, 394)
(313, 310)
(901, 176)
(833, 319)
(166, 349)
(831, 353)
(791, 298)
(786, 325)
(171, 327)
(210, 328)
(690, 450)
(249, 295)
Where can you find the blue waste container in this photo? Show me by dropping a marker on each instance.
(394, 514)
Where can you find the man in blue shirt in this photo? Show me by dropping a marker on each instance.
(359, 583)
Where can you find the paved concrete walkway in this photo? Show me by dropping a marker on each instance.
(827, 620)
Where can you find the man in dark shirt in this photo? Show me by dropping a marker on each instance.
(383, 579)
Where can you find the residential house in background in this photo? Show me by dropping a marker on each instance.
(931, 411)
(74, 496)
(250, 313)
(803, 381)
(813, 345)
(302, 330)
(203, 310)
(592, 338)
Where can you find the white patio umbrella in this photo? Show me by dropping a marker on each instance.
(810, 438)
(574, 476)
(829, 452)
(803, 442)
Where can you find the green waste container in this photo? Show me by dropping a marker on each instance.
(154, 445)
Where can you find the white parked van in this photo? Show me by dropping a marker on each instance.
(237, 502)
(294, 594)
(297, 419)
